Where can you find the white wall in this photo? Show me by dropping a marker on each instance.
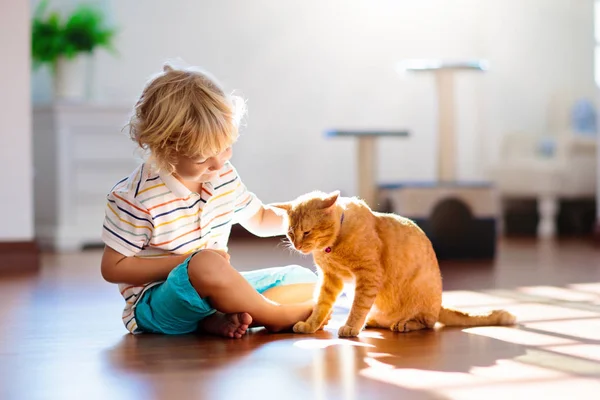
(309, 66)
(16, 196)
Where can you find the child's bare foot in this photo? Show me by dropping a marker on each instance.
(226, 325)
(293, 313)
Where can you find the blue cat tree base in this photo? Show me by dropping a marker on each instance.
(459, 218)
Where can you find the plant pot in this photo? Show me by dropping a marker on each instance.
(70, 78)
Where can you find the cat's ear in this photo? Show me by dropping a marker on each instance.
(330, 200)
(284, 206)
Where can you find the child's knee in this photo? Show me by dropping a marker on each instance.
(207, 270)
(298, 274)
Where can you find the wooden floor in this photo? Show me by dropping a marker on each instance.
(61, 338)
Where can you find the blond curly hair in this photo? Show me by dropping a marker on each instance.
(184, 112)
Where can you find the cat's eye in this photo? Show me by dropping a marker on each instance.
(306, 233)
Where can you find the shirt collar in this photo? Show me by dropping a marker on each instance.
(174, 185)
(180, 190)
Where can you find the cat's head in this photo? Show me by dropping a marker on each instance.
(314, 223)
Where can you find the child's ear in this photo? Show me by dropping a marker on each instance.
(330, 200)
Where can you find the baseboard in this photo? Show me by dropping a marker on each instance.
(16, 257)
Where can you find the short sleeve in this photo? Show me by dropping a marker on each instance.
(128, 225)
(246, 202)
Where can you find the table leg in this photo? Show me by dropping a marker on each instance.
(367, 185)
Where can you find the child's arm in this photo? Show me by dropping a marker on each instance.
(117, 268)
(268, 221)
(259, 219)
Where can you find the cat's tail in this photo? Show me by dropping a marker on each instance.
(450, 317)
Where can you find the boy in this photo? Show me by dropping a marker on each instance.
(167, 225)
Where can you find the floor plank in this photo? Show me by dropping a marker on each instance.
(61, 337)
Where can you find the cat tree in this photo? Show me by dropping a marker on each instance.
(459, 217)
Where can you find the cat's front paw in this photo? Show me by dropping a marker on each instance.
(303, 327)
(348, 331)
(324, 323)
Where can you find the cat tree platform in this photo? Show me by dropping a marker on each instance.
(460, 218)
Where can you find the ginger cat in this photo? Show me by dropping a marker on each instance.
(390, 259)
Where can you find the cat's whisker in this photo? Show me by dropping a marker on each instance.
(292, 249)
(286, 244)
(283, 243)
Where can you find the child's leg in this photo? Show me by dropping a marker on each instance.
(235, 325)
(284, 285)
(227, 291)
(290, 294)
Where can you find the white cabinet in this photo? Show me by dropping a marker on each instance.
(568, 172)
(80, 152)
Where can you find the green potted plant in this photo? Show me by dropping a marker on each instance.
(66, 44)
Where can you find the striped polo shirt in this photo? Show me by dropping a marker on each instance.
(151, 214)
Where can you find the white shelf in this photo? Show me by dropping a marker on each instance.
(80, 152)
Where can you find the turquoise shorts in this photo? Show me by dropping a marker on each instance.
(174, 307)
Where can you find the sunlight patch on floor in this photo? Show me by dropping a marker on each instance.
(467, 298)
(558, 293)
(502, 371)
(530, 312)
(587, 351)
(323, 343)
(548, 389)
(588, 329)
(586, 287)
(559, 362)
(517, 336)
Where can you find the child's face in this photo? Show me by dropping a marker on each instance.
(201, 170)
